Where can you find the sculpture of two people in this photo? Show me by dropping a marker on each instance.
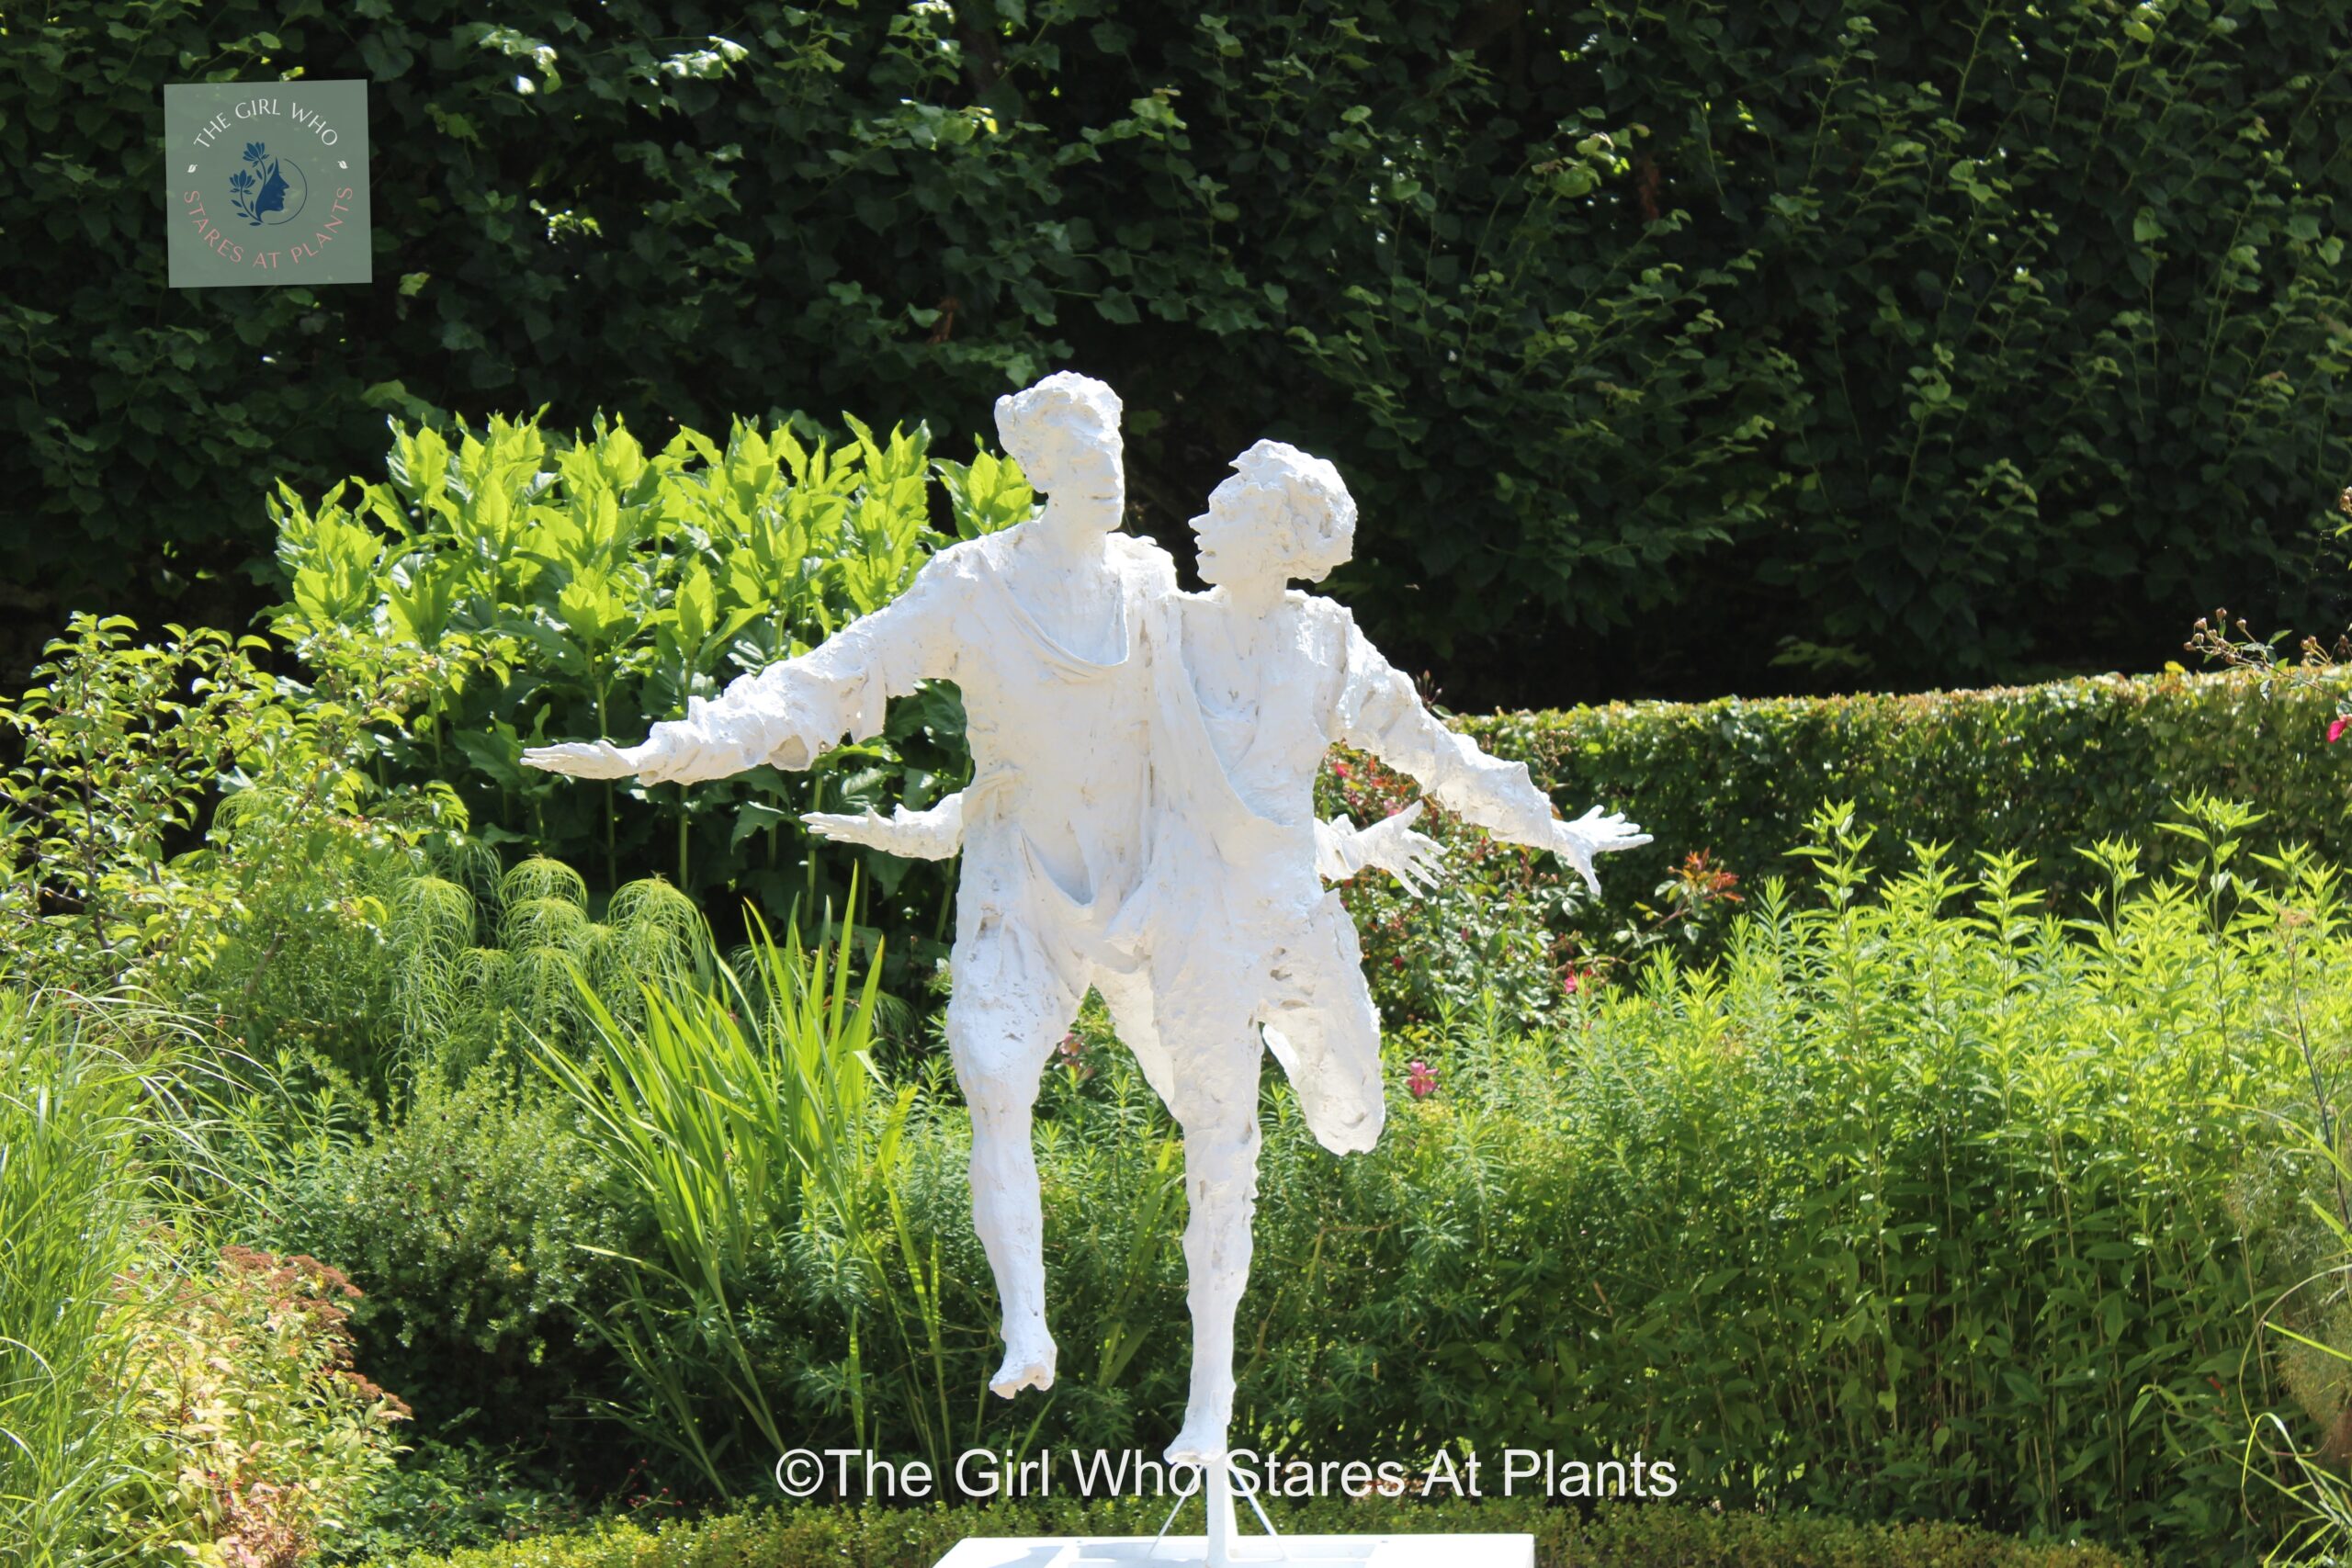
(1140, 821)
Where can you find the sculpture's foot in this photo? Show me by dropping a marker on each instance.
(1201, 1443)
(1028, 1363)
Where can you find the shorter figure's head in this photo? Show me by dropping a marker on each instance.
(1283, 515)
(1063, 432)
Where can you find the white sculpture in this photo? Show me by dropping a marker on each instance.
(1233, 924)
(1141, 820)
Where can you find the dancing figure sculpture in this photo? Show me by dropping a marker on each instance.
(1241, 942)
(1140, 823)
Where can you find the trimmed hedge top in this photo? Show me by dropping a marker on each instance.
(1626, 1536)
(2038, 771)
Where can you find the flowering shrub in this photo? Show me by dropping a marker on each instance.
(259, 1442)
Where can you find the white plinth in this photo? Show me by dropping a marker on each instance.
(1296, 1551)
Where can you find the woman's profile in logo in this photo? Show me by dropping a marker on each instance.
(267, 190)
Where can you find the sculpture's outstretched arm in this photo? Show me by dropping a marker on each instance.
(1380, 713)
(935, 834)
(790, 713)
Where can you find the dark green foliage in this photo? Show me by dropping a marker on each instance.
(471, 1223)
(1658, 1536)
(446, 1496)
(1937, 340)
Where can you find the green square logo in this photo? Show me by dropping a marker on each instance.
(268, 183)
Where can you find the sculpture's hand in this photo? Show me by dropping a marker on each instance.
(1592, 834)
(1413, 858)
(935, 834)
(586, 759)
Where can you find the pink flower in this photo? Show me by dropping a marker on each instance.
(1342, 770)
(2336, 731)
(1421, 1079)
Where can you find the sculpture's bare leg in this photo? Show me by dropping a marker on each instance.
(1008, 1212)
(1220, 1120)
(998, 1036)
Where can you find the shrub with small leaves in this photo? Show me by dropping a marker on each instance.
(260, 1440)
(479, 1225)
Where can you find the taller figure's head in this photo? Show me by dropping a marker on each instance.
(1283, 515)
(1063, 432)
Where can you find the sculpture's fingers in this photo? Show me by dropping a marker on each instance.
(1426, 864)
(1572, 846)
(840, 825)
(583, 760)
(1409, 874)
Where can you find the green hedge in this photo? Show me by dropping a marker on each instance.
(2042, 770)
(1625, 1536)
(1945, 338)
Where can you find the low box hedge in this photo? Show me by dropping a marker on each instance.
(2044, 771)
(1617, 1536)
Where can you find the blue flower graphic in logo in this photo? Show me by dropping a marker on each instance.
(267, 190)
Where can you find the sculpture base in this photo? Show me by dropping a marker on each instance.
(1293, 1551)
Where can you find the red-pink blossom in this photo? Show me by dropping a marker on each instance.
(1420, 1078)
(2336, 731)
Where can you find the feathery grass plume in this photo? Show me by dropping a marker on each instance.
(431, 932)
(651, 933)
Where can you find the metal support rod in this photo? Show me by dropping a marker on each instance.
(1221, 1521)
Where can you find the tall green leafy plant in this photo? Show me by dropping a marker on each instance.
(115, 747)
(545, 589)
(743, 1118)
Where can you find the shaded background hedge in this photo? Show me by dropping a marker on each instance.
(1914, 347)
